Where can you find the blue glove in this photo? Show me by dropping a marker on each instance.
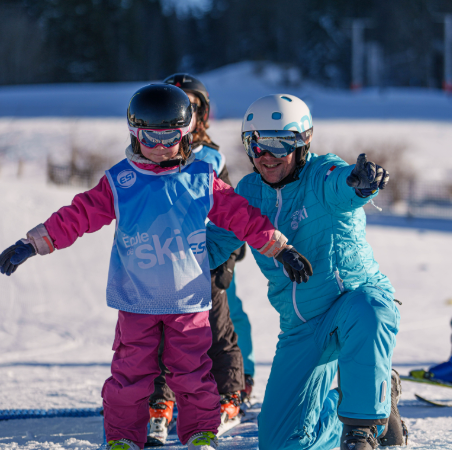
(297, 266)
(367, 177)
(14, 256)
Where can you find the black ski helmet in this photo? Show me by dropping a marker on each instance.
(159, 106)
(192, 84)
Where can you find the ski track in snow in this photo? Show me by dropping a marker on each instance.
(56, 330)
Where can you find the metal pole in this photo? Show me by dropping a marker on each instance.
(357, 54)
(447, 83)
(374, 64)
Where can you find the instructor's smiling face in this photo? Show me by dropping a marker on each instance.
(274, 169)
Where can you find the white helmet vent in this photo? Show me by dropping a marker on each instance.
(276, 116)
(250, 117)
(286, 98)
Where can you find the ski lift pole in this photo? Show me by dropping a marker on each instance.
(447, 83)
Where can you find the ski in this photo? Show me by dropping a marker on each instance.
(426, 381)
(440, 403)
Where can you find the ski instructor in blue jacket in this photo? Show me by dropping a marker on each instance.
(345, 318)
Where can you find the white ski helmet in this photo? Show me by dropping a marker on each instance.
(278, 112)
(279, 124)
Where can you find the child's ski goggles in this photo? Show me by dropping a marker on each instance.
(166, 138)
(279, 143)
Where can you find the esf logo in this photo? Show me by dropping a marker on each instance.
(126, 178)
(150, 250)
(197, 243)
(297, 216)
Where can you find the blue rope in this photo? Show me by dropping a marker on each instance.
(8, 414)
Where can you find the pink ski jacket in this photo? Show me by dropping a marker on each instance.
(93, 209)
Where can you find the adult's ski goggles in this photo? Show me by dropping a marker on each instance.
(279, 143)
(166, 138)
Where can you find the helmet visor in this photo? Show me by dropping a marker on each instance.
(279, 143)
(152, 138)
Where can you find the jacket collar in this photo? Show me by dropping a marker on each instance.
(146, 164)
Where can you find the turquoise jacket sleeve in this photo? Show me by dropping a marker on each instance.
(329, 183)
(220, 244)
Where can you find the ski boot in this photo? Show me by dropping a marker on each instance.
(161, 415)
(230, 406)
(246, 393)
(203, 441)
(441, 372)
(396, 430)
(122, 444)
(421, 374)
(356, 437)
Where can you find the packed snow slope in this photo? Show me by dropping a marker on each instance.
(56, 330)
(232, 89)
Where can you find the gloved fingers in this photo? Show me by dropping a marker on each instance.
(223, 281)
(307, 265)
(361, 162)
(304, 276)
(290, 272)
(384, 180)
(6, 254)
(379, 175)
(19, 256)
(9, 269)
(297, 276)
(4, 265)
(371, 172)
(352, 180)
(242, 253)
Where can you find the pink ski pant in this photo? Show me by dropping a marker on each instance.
(135, 366)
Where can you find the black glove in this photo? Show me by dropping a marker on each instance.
(14, 256)
(297, 266)
(241, 252)
(367, 177)
(224, 273)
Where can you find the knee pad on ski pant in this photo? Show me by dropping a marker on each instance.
(368, 322)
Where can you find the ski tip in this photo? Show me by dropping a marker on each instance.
(439, 403)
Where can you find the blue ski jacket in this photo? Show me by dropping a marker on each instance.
(211, 156)
(324, 220)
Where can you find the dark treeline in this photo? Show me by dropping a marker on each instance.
(53, 41)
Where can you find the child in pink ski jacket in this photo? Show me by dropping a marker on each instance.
(159, 274)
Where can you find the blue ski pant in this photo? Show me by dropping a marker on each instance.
(242, 327)
(358, 334)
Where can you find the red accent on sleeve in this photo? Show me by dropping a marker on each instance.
(47, 241)
(88, 212)
(232, 212)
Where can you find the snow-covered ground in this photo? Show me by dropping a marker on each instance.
(56, 331)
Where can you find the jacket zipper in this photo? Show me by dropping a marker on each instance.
(339, 280)
(294, 284)
(294, 301)
(279, 206)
